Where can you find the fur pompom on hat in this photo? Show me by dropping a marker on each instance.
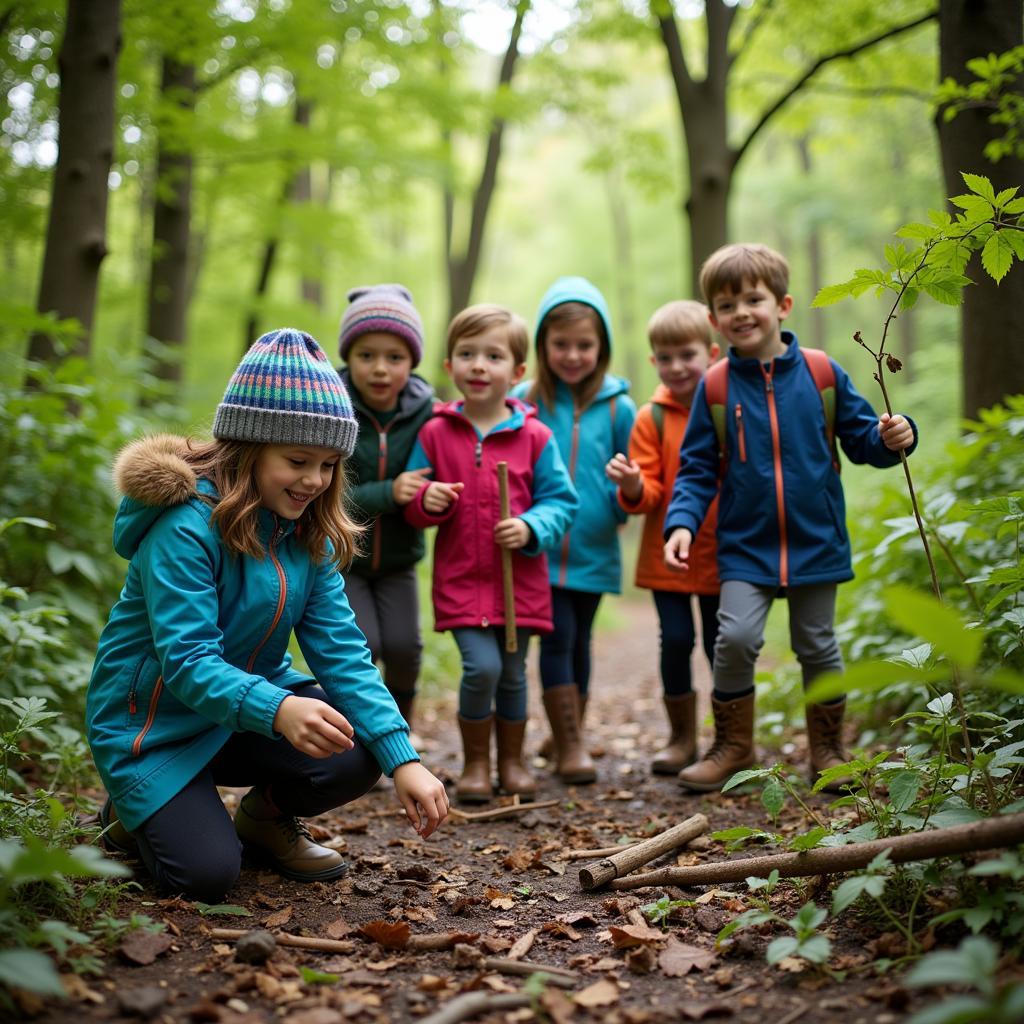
(285, 391)
(386, 308)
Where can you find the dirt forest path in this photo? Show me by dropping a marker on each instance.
(499, 883)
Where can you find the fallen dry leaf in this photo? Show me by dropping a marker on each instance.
(677, 959)
(338, 928)
(389, 934)
(633, 935)
(382, 965)
(561, 930)
(582, 918)
(144, 947)
(279, 917)
(601, 993)
(558, 1006)
(420, 914)
(432, 983)
(521, 859)
(641, 959)
(353, 826)
(522, 945)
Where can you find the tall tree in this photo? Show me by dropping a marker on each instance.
(992, 355)
(76, 232)
(705, 105)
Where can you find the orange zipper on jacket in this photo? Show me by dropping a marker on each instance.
(780, 497)
(563, 568)
(738, 412)
(150, 716)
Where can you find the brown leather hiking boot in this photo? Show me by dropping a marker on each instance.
(547, 748)
(474, 787)
(284, 844)
(681, 749)
(562, 703)
(512, 773)
(115, 838)
(825, 742)
(732, 751)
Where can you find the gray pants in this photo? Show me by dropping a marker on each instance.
(387, 610)
(742, 613)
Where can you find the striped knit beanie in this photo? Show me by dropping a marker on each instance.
(285, 391)
(383, 307)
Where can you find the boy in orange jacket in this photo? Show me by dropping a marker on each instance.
(682, 350)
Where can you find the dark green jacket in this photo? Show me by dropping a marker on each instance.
(381, 453)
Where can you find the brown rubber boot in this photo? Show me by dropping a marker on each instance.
(825, 742)
(474, 787)
(512, 773)
(732, 751)
(284, 844)
(562, 703)
(547, 748)
(681, 749)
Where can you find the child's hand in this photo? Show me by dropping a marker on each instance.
(511, 533)
(896, 431)
(422, 796)
(407, 485)
(439, 496)
(626, 473)
(677, 549)
(313, 726)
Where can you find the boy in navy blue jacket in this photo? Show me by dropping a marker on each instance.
(763, 434)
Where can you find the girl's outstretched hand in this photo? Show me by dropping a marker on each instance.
(439, 496)
(313, 726)
(422, 796)
(407, 485)
(627, 474)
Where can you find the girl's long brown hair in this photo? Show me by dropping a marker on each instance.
(543, 388)
(230, 466)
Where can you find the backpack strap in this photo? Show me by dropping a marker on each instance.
(716, 391)
(823, 374)
(658, 419)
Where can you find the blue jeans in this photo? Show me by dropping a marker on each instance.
(190, 845)
(492, 678)
(675, 614)
(565, 652)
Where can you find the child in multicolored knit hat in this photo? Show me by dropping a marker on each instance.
(232, 544)
(381, 340)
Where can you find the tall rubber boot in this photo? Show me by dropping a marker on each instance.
(825, 742)
(562, 703)
(547, 748)
(512, 773)
(732, 751)
(681, 749)
(475, 785)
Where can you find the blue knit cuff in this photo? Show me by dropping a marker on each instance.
(393, 749)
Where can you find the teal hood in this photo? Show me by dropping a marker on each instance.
(575, 289)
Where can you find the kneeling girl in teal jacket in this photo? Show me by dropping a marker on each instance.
(232, 545)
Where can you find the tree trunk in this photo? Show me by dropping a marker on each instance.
(310, 287)
(172, 220)
(815, 260)
(76, 231)
(992, 356)
(622, 235)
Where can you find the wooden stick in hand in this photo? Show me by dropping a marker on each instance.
(511, 641)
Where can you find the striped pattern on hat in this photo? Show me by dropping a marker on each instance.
(386, 308)
(285, 391)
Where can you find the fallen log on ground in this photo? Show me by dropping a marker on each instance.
(425, 943)
(632, 857)
(989, 834)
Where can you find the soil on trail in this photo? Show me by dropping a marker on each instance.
(496, 883)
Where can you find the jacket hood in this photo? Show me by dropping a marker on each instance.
(152, 474)
(610, 387)
(416, 393)
(575, 289)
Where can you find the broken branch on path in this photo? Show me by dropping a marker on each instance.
(500, 812)
(428, 942)
(604, 851)
(989, 834)
(632, 857)
(558, 976)
(472, 1004)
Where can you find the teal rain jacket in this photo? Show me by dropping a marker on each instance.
(197, 645)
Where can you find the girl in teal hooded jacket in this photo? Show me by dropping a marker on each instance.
(591, 414)
(232, 545)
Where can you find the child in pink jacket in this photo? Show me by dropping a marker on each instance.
(462, 446)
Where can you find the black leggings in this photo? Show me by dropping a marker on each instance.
(565, 653)
(675, 614)
(190, 845)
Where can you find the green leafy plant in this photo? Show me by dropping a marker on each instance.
(806, 942)
(663, 908)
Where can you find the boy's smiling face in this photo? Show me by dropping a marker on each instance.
(750, 320)
(681, 364)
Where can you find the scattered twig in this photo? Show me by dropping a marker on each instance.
(604, 851)
(285, 939)
(558, 976)
(522, 945)
(471, 1004)
(793, 1015)
(987, 834)
(501, 812)
(629, 859)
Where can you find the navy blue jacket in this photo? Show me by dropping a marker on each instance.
(781, 515)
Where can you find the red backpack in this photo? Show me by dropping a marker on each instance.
(716, 386)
